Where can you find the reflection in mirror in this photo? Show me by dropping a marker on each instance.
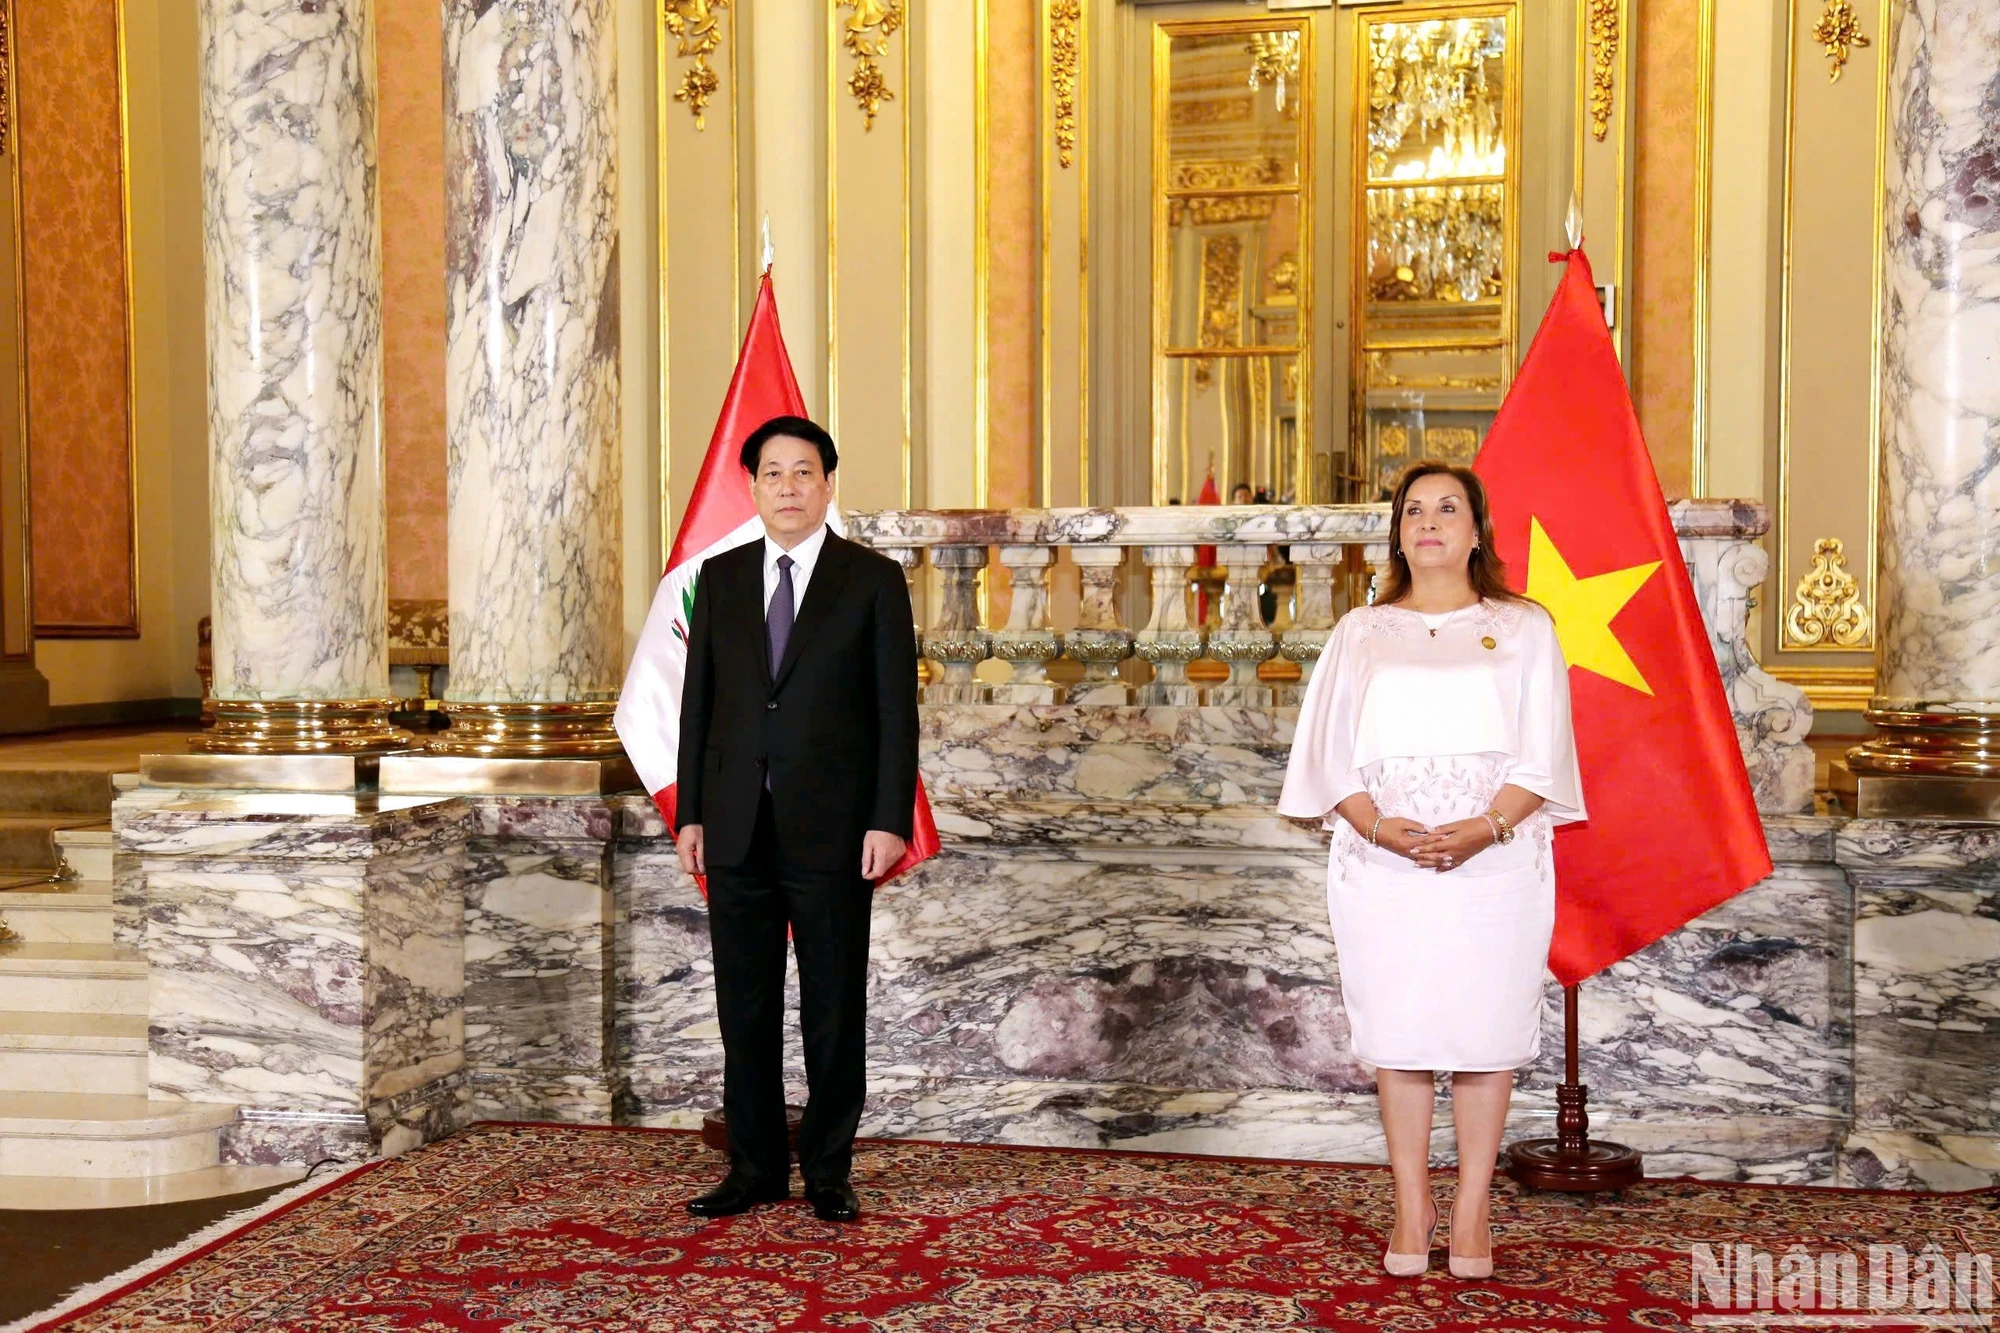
(1232, 259)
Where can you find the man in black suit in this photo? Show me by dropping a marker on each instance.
(797, 779)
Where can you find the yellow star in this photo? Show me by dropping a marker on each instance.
(1584, 608)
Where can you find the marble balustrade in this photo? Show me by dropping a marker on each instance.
(1718, 542)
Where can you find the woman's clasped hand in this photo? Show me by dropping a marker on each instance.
(1445, 847)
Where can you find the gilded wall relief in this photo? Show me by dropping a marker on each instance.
(697, 29)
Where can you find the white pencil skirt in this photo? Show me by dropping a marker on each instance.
(1442, 970)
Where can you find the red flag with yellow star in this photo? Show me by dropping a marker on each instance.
(1579, 519)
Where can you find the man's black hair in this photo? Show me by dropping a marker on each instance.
(798, 428)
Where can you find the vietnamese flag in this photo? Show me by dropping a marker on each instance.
(720, 515)
(1579, 519)
(1204, 556)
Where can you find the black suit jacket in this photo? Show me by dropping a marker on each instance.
(835, 725)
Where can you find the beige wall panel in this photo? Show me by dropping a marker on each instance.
(1825, 484)
(1065, 319)
(700, 187)
(949, 203)
(787, 84)
(1743, 255)
(868, 359)
(1663, 268)
(1603, 164)
(639, 281)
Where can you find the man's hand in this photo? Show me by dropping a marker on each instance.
(689, 845)
(879, 852)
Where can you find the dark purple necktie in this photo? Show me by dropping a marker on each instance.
(778, 619)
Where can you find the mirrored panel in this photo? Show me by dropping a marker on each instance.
(1235, 416)
(1426, 402)
(1232, 257)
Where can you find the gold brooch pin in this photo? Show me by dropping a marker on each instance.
(1488, 642)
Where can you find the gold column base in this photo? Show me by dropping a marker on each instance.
(1928, 765)
(1929, 744)
(300, 726)
(528, 731)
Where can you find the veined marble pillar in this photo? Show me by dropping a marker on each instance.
(1938, 589)
(292, 247)
(531, 391)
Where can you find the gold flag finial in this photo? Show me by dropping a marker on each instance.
(1573, 220)
(770, 251)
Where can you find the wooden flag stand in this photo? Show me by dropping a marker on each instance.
(715, 1129)
(1570, 1161)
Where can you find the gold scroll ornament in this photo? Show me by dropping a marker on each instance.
(1839, 31)
(1827, 610)
(866, 33)
(697, 26)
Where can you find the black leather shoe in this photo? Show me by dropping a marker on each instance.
(737, 1194)
(834, 1203)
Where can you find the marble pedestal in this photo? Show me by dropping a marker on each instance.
(307, 964)
(539, 935)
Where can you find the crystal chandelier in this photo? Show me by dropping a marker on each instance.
(1274, 59)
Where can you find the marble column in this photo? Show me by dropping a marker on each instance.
(1938, 586)
(291, 244)
(531, 389)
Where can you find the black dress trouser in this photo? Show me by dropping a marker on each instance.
(749, 908)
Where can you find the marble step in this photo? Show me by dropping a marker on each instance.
(72, 978)
(102, 1053)
(85, 1134)
(79, 913)
(88, 851)
(82, 791)
(34, 1193)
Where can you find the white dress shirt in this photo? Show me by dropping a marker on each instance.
(804, 556)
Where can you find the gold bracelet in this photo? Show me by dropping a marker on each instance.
(1504, 832)
(1377, 829)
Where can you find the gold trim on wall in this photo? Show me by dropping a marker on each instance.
(696, 26)
(1826, 607)
(26, 651)
(1063, 55)
(732, 93)
(982, 277)
(1781, 532)
(1600, 30)
(1704, 159)
(1839, 31)
(1830, 689)
(866, 33)
(1062, 44)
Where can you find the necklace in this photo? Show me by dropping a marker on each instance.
(1446, 621)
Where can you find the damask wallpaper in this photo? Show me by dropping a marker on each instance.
(78, 347)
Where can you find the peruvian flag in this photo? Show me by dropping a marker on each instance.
(1580, 521)
(720, 515)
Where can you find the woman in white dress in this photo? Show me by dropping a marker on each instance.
(1434, 741)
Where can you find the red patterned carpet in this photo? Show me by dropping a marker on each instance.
(544, 1227)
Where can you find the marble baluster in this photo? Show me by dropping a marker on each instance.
(1100, 640)
(291, 247)
(1170, 639)
(1376, 554)
(1317, 563)
(956, 642)
(531, 377)
(1242, 640)
(1937, 590)
(1028, 640)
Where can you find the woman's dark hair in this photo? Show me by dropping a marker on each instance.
(797, 428)
(1484, 569)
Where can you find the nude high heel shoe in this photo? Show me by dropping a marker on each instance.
(1467, 1268)
(1409, 1265)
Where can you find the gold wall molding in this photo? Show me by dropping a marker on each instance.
(1065, 56)
(1839, 32)
(1826, 608)
(1830, 689)
(6, 80)
(697, 26)
(1602, 22)
(866, 33)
